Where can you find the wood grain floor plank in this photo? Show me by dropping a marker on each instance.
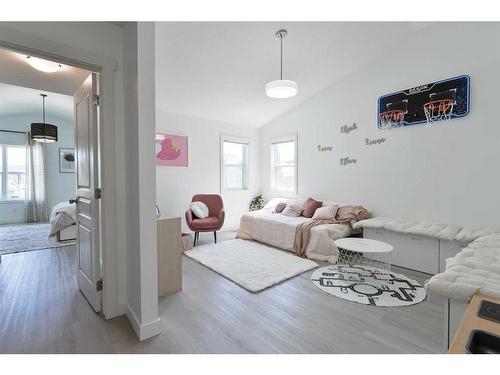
(42, 311)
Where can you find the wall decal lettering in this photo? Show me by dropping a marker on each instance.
(346, 129)
(347, 161)
(324, 148)
(377, 141)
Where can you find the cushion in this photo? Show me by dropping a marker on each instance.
(310, 207)
(273, 202)
(199, 209)
(279, 208)
(207, 223)
(293, 209)
(325, 213)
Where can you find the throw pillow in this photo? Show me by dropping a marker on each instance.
(273, 202)
(310, 207)
(279, 208)
(325, 213)
(200, 209)
(293, 210)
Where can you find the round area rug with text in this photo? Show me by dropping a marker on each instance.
(368, 285)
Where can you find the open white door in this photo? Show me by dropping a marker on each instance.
(88, 192)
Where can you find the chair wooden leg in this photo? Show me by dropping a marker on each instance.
(215, 236)
(195, 238)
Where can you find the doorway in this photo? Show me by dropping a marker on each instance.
(56, 191)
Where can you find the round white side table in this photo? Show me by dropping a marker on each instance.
(364, 252)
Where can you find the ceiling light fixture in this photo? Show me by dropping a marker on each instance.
(43, 132)
(43, 65)
(282, 88)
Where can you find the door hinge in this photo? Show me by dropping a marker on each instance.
(97, 193)
(97, 100)
(98, 285)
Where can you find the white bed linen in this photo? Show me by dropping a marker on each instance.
(279, 231)
(63, 215)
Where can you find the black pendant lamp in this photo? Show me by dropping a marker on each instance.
(43, 132)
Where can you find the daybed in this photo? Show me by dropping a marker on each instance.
(279, 231)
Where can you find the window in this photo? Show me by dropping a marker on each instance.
(283, 165)
(234, 160)
(12, 172)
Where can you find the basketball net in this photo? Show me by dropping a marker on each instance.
(439, 110)
(392, 119)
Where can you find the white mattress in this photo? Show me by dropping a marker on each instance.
(475, 269)
(279, 231)
(462, 234)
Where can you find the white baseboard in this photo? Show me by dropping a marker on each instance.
(143, 331)
(116, 310)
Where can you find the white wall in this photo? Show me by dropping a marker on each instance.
(142, 277)
(176, 186)
(60, 186)
(447, 172)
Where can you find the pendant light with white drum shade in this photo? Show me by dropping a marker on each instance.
(41, 131)
(282, 88)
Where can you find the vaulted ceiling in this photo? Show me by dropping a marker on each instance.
(218, 71)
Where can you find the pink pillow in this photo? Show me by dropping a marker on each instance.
(325, 213)
(310, 207)
(279, 208)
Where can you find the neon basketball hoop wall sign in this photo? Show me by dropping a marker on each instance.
(437, 101)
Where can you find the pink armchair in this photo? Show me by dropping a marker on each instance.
(215, 218)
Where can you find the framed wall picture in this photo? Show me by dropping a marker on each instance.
(171, 150)
(66, 160)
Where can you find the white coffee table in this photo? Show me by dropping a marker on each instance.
(364, 252)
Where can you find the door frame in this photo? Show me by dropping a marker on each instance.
(112, 304)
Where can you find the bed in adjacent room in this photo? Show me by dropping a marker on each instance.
(63, 221)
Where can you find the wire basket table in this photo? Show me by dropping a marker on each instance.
(364, 252)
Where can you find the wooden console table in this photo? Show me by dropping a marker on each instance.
(169, 255)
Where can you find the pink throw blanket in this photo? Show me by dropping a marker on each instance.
(345, 215)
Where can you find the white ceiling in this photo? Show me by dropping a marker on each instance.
(15, 70)
(16, 101)
(218, 71)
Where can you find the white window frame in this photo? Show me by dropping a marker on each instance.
(272, 168)
(245, 166)
(5, 174)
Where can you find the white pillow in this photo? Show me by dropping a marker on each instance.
(325, 213)
(200, 209)
(293, 209)
(325, 204)
(271, 205)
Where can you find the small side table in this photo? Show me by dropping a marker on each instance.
(364, 252)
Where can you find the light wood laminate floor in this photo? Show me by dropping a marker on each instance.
(42, 311)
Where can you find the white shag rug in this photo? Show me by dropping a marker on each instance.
(27, 237)
(251, 265)
(368, 285)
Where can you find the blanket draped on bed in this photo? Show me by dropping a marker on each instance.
(345, 215)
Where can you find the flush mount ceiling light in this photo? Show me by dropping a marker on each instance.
(43, 65)
(43, 132)
(282, 88)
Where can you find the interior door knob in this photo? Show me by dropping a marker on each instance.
(73, 200)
